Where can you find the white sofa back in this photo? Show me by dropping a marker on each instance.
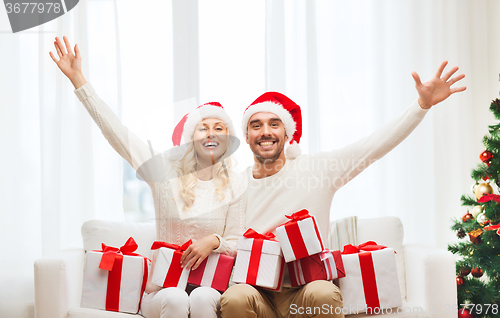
(116, 234)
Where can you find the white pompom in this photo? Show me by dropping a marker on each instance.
(293, 151)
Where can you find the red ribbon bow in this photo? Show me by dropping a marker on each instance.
(366, 247)
(250, 233)
(297, 216)
(324, 254)
(110, 253)
(255, 254)
(493, 227)
(157, 244)
(489, 197)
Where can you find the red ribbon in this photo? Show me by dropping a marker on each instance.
(489, 197)
(175, 270)
(256, 252)
(493, 227)
(295, 236)
(112, 261)
(367, 246)
(297, 216)
(114, 283)
(367, 270)
(157, 244)
(254, 263)
(369, 281)
(110, 253)
(250, 233)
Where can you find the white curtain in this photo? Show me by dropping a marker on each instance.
(56, 170)
(347, 63)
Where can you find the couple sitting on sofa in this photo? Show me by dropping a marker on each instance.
(198, 196)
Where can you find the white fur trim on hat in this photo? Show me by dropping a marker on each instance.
(293, 151)
(270, 107)
(206, 111)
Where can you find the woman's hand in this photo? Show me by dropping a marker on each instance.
(198, 251)
(70, 64)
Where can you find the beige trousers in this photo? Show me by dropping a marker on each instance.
(316, 299)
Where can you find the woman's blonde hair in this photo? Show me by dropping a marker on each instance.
(186, 170)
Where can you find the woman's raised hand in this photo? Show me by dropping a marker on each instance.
(70, 64)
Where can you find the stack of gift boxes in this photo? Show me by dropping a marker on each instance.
(366, 274)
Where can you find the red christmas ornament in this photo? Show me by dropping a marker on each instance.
(476, 272)
(464, 271)
(460, 280)
(486, 157)
(464, 313)
(467, 217)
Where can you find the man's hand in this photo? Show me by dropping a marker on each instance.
(70, 64)
(198, 251)
(438, 88)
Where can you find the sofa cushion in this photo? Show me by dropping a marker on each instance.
(388, 231)
(115, 234)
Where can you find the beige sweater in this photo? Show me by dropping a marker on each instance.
(208, 215)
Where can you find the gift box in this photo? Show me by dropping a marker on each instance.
(300, 236)
(167, 270)
(326, 265)
(214, 271)
(259, 261)
(114, 279)
(371, 279)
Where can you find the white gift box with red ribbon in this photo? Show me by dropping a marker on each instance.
(327, 265)
(259, 261)
(299, 237)
(167, 270)
(371, 279)
(214, 271)
(114, 279)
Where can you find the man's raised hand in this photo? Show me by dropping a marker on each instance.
(438, 88)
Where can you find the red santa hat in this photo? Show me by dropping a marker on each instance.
(287, 110)
(184, 130)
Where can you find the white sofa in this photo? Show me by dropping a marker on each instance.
(427, 275)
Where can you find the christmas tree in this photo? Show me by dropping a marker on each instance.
(478, 267)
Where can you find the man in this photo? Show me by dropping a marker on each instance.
(280, 184)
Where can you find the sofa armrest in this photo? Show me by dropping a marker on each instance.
(58, 283)
(430, 280)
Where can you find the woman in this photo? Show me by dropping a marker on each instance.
(195, 193)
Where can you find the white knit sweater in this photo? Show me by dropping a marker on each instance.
(310, 181)
(208, 215)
